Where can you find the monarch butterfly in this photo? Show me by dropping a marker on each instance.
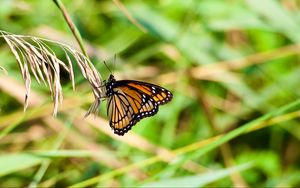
(129, 101)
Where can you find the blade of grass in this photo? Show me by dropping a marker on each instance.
(64, 153)
(16, 162)
(51, 181)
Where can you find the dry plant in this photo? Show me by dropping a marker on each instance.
(35, 54)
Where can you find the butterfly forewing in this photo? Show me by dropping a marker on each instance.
(159, 94)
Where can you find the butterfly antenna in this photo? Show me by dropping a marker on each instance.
(115, 60)
(107, 67)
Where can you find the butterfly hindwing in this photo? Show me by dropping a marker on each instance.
(127, 106)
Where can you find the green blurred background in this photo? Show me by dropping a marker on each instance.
(227, 63)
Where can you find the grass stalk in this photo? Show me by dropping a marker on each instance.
(71, 25)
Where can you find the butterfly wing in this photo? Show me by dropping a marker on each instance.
(159, 94)
(132, 101)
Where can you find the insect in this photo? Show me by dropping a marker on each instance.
(129, 101)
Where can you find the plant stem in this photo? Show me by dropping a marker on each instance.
(72, 26)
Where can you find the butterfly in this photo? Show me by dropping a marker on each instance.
(129, 101)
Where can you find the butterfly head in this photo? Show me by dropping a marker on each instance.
(111, 78)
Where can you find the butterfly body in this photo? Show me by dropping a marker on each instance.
(129, 101)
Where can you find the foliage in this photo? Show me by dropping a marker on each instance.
(232, 67)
